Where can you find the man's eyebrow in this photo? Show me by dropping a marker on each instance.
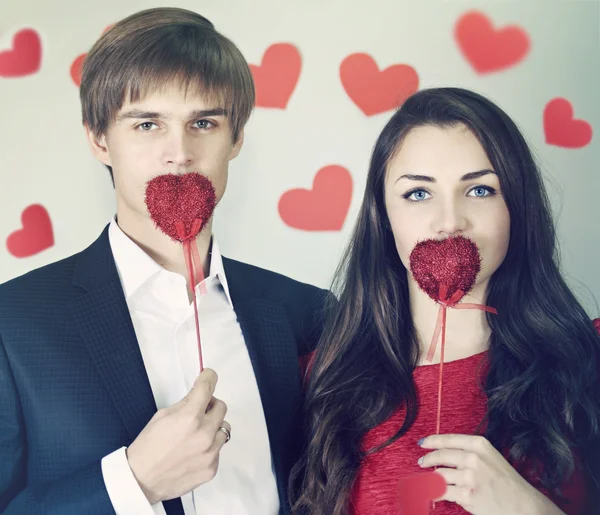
(466, 177)
(137, 114)
(216, 111)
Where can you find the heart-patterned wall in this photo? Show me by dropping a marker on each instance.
(328, 75)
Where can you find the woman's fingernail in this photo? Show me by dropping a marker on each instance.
(420, 442)
(420, 460)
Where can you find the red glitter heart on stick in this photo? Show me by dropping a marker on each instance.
(181, 206)
(446, 270)
(453, 262)
(173, 200)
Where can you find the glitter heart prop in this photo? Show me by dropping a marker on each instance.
(453, 262)
(446, 270)
(173, 200)
(181, 206)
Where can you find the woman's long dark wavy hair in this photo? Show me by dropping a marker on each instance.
(543, 384)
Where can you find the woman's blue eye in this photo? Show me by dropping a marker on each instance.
(416, 195)
(420, 195)
(482, 191)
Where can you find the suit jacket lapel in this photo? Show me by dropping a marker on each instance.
(272, 348)
(102, 318)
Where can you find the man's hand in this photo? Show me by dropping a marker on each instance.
(179, 448)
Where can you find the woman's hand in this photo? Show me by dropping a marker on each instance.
(479, 478)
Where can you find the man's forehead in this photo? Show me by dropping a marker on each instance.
(174, 96)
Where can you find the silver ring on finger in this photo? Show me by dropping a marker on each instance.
(227, 433)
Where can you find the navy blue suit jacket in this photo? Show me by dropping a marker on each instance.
(73, 387)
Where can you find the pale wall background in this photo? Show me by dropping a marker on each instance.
(44, 158)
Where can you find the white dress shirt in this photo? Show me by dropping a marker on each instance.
(163, 319)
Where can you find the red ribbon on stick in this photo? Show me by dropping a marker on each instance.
(440, 328)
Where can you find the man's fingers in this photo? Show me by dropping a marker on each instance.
(215, 414)
(222, 436)
(201, 393)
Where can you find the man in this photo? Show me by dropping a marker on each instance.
(102, 407)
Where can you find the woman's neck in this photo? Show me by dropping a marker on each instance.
(467, 330)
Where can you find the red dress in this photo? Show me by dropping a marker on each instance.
(375, 489)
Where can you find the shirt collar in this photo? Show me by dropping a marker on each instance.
(217, 269)
(135, 267)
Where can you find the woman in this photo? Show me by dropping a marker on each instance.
(520, 405)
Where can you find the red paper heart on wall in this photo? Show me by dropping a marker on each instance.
(322, 208)
(374, 91)
(35, 236)
(25, 56)
(562, 129)
(490, 49)
(276, 77)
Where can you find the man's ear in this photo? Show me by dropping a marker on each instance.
(237, 146)
(98, 146)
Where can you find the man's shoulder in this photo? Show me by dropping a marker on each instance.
(51, 272)
(306, 305)
(56, 280)
(43, 286)
(272, 283)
